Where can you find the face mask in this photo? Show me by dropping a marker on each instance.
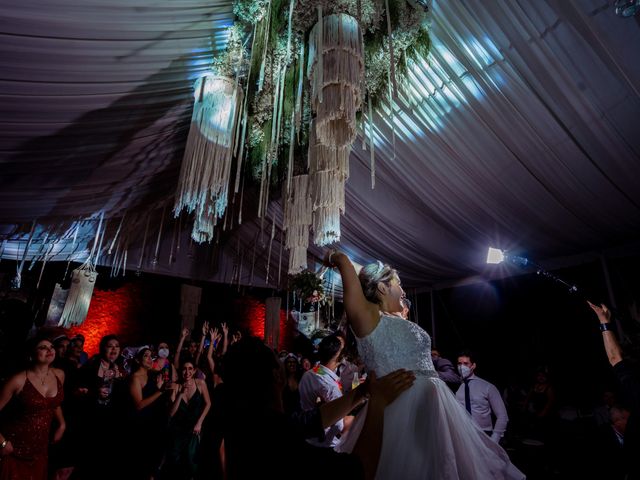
(163, 352)
(464, 371)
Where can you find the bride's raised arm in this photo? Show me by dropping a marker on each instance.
(363, 315)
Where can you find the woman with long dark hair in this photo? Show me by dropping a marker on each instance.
(35, 395)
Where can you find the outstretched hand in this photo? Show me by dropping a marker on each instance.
(388, 388)
(603, 313)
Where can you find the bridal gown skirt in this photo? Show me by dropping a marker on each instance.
(429, 435)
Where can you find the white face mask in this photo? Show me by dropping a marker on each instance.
(163, 352)
(464, 371)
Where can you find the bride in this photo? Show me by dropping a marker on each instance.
(427, 433)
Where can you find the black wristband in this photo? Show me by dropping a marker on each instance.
(605, 327)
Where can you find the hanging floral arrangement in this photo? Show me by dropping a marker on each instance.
(277, 110)
(305, 74)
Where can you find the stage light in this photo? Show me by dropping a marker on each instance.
(495, 256)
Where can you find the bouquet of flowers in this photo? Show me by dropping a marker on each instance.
(307, 286)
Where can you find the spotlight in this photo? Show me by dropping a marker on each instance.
(495, 256)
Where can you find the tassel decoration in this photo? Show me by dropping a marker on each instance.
(83, 281)
(335, 69)
(329, 171)
(297, 219)
(206, 167)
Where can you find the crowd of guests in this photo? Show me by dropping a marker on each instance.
(224, 406)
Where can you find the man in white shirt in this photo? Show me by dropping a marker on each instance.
(321, 384)
(480, 398)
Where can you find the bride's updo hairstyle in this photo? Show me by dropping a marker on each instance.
(371, 275)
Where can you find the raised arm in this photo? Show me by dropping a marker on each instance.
(213, 343)
(183, 337)
(225, 338)
(611, 345)
(205, 331)
(363, 315)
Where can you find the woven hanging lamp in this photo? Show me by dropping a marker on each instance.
(336, 78)
(206, 166)
(297, 220)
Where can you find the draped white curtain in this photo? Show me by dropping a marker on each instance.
(519, 130)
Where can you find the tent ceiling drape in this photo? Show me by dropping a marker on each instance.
(519, 130)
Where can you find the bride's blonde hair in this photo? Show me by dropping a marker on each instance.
(371, 275)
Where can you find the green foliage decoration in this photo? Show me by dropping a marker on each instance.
(274, 53)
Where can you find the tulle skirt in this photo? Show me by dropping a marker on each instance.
(429, 435)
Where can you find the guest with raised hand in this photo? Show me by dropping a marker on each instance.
(190, 405)
(212, 435)
(417, 423)
(629, 389)
(205, 334)
(214, 340)
(235, 336)
(37, 393)
(225, 337)
(180, 354)
(255, 421)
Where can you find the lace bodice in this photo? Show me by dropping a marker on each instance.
(396, 343)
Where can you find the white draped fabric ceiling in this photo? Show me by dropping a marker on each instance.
(520, 130)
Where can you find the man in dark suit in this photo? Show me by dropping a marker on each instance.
(446, 371)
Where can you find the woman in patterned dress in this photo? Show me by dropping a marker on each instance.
(33, 396)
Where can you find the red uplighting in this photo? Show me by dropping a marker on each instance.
(111, 311)
(253, 315)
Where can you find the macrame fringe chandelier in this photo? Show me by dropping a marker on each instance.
(336, 77)
(335, 70)
(203, 187)
(329, 171)
(297, 219)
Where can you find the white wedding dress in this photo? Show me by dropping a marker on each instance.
(427, 433)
